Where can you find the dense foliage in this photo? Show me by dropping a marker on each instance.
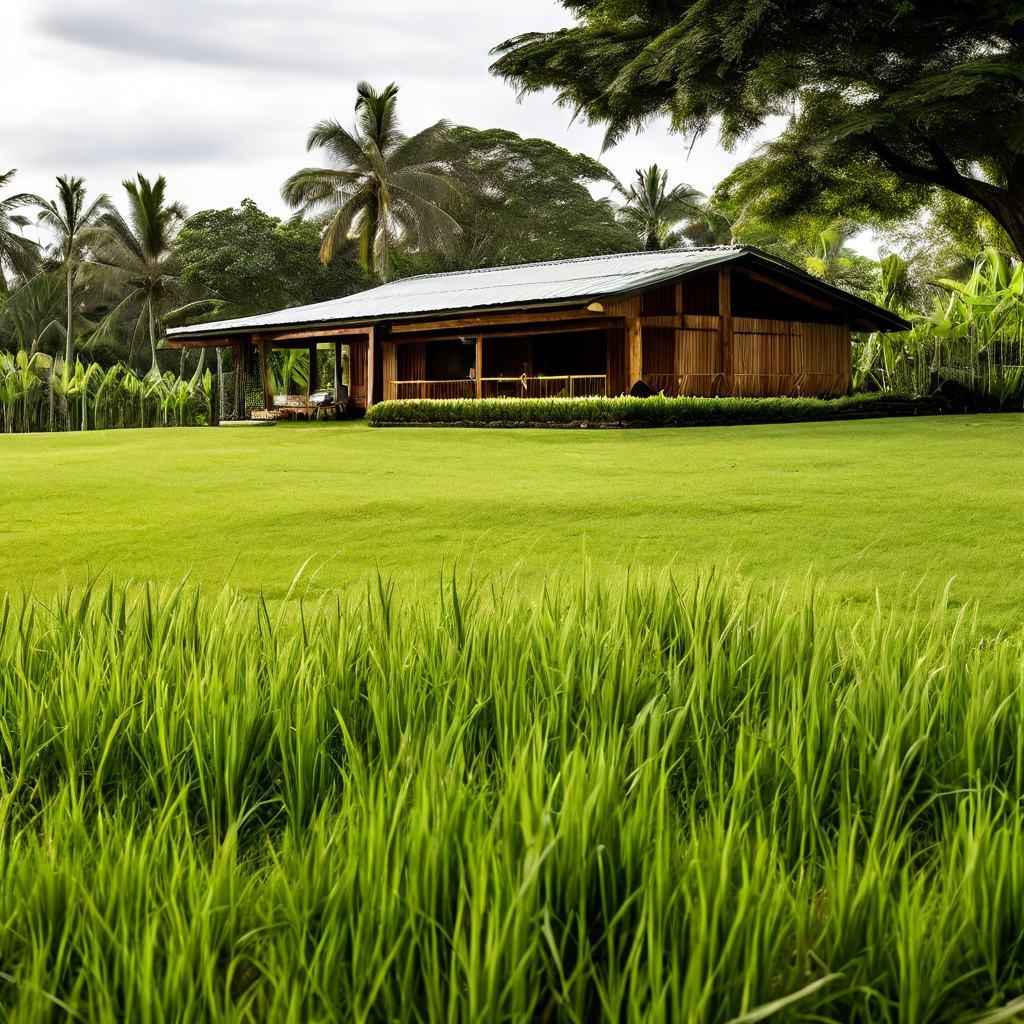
(40, 393)
(254, 263)
(657, 411)
(887, 104)
(525, 200)
(649, 801)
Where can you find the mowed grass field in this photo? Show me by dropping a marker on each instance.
(881, 504)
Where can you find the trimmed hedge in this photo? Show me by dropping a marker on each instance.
(645, 412)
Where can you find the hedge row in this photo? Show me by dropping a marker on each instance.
(645, 412)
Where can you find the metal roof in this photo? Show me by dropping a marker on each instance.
(550, 283)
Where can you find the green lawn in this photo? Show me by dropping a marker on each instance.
(881, 503)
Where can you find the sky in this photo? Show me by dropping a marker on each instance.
(219, 95)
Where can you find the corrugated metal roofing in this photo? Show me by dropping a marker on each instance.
(529, 284)
(524, 284)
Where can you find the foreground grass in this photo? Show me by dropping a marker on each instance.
(637, 802)
(882, 503)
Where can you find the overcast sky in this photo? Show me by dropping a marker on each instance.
(219, 95)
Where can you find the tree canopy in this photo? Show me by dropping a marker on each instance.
(254, 263)
(526, 200)
(888, 103)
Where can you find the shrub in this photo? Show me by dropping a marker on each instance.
(651, 412)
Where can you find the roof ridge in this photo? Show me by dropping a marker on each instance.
(574, 259)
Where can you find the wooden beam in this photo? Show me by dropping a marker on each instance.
(516, 332)
(803, 296)
(634, 351)
(313, 384)
(218, 342)
(725, 325)
(479, 366)
(497, 319)
(337, 370)
(307, 333)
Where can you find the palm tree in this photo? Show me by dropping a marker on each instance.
(70, 219)
(138, 253)
(385, 188)
(651, 212)
(829, 257)
(18, 253)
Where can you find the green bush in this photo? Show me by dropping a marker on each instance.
(649, 801)
(654, 412)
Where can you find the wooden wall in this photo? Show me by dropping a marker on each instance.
(616, 361)
(799, 354)
(780, 357)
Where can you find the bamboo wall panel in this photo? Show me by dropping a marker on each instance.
(357, 370)
(696, 358)
(659, 301)
(779, 357)
(389, 360)
(700, 294)
(412, 361)
(659, 350)
(616, 360)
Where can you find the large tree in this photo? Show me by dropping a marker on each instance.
(525, 200)
(69, 218)
(253, 263)
(888, 103)
(386, 188)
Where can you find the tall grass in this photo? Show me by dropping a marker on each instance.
(637, 801)
(38, 393)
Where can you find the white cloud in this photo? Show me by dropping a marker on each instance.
(219, 95)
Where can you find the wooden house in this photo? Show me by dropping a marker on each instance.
(727, 320)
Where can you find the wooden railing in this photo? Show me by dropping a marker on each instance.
(745, 385)
(568, 386)
(442, 389)
(708, 385)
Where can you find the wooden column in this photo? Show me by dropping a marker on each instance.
(678, 367)
(372, 360)
(337, 369)
(725, 327)
(479, 366)
(314, 372)
(634, 351)
(264, 360)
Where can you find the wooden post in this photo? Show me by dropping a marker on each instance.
(479, 366)
(268, 403)
(725, 326)
(389, 359)
(371, 367)
(313, 384)
(634, 352)
(337, 370)
(679, 356)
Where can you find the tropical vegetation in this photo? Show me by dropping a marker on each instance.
(890, 108)
(657, 800)
(384, 187)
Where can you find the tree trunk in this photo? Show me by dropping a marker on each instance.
(69, 351)
(155, 369)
